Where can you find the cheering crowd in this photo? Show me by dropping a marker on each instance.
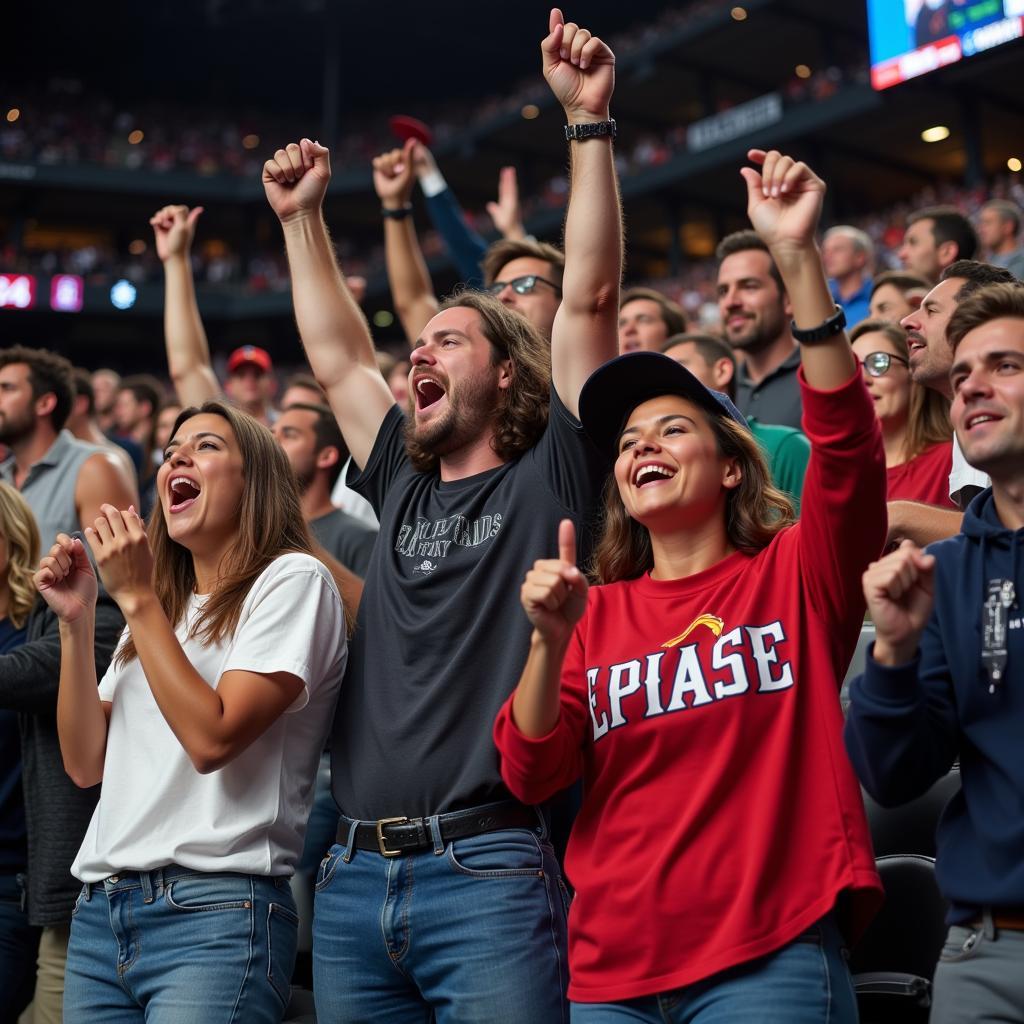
(573, 587)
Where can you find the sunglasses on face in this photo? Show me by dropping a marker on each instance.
(877, 363)
(522, 285)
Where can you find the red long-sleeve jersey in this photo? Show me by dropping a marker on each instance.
(721, 817)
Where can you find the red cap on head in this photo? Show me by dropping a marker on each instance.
(406, 127)
(250, 354)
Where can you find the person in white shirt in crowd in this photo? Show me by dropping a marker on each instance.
(204, 733)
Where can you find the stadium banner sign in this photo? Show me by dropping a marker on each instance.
(734, 123)
(17, 291)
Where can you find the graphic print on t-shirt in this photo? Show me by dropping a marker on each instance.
(671, 685)
(430, 539)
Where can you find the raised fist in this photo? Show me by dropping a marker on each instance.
(296, 179)
(554, 593)
(783, 199)
(579, 68)
(393, 175)
(174, 227)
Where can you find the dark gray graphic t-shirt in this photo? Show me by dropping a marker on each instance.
(441, 638)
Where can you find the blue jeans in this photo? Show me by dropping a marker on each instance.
(175, 946)
(18, 944)
(471, 931)
(806, 982)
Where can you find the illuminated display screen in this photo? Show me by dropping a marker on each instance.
(912, 37)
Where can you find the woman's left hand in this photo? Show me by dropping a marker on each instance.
(784, 200)
(121, 549)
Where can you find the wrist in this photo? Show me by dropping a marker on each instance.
(789, 255)
(134, 603)
(552, 646)
(395, 202)
(892, 653)
(577, 116)
(79, 628)
(300, 219)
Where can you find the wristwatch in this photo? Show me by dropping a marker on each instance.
(590, 130)
(829, 329)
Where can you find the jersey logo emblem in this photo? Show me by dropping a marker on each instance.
(713, 622)
(426, 567)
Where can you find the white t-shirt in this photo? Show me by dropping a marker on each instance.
(249, 816)
(963, 474)
(348, 501)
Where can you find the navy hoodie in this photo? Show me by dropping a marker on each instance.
(907, 724)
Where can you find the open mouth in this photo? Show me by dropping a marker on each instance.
(184, 492)
(978, 418)
(915, 342)
(428, 393)
(652, 474)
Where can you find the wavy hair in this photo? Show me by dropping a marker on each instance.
(18, 528)
(755, 510)
(521, 409)
(270, 524)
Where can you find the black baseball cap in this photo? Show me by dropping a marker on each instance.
(615, 389)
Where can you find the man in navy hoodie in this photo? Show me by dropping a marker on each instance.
(945, 678)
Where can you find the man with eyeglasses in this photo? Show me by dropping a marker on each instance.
(931, 358)
(526, 276)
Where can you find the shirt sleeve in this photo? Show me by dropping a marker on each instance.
(293, 624)
(843, 518)
(535, 769)
(387, 459)
(466, 247)
(963, 474)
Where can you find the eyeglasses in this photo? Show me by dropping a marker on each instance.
(522, 285)
(877, 363)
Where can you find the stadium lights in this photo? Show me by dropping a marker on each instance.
(13, 114)
(1014, 164)
(935, 134)
(135, 137)
(739, 14)
(530, 111)
(383, 318)
(137, 247)
(123, 294)
(251, 141)
(802, 71)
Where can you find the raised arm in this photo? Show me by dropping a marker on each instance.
(333, 329)
(507, 213)
(784, 203)
(408, 277)
(188, 352)
(580, 69)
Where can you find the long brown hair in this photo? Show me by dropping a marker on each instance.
(521, 409)
(755, 510)
(928, 420)
(18, 527)
(270, 524)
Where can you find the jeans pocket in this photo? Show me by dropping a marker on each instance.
(325, 872)
(961, 944)
(282, 943)
(198, 893)
(505, 854)
(78, 900)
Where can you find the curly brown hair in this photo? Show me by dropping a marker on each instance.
(755, 511)
(521, 409)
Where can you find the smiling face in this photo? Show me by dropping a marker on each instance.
(752, 308)
(930, 354)
(454, 382)
(641, 327)
(891, 391)
(669, 470)
(200, 484)
(988, 398)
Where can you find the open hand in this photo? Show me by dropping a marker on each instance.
(899, 592)
(121, 549)
(554, 593)
(296, 179)
(784, 200)
(174, 227)
(506, 212)
(393, 175)
(66, 580)
(579, 68)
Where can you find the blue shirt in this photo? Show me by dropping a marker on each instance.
(856, 306)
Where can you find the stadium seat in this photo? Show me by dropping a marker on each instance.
(911, 827)
(893, 964)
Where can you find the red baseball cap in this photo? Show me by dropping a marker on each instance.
(406, 127)
(250, 354)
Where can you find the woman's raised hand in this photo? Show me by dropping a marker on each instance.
(554, 593)
(121, 549)
(784, 199)
(66, 579)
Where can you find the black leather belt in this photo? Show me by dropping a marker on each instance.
(392, 837)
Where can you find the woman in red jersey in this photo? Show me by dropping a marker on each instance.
(916, 432)
(721, 851)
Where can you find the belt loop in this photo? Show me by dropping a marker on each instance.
(350, 842)
(159, 882)
(434, 824)
(542, 822)
(987, 924)
(147, 886)
(88, 891)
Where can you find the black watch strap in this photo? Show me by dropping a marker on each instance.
(590, 130)
(397, 214)
(829, 329)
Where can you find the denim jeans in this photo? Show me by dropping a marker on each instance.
(175, 946)
(18, 943)
(472, 931)
(805, 982)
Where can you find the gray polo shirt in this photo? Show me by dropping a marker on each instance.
(775, 398)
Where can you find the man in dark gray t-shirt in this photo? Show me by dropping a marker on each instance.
(442, 896)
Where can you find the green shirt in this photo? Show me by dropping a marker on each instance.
(788, 451)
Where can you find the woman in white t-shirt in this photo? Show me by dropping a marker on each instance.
(204, 733)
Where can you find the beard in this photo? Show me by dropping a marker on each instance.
(16, 428)
(759, 333)
(471, 408)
